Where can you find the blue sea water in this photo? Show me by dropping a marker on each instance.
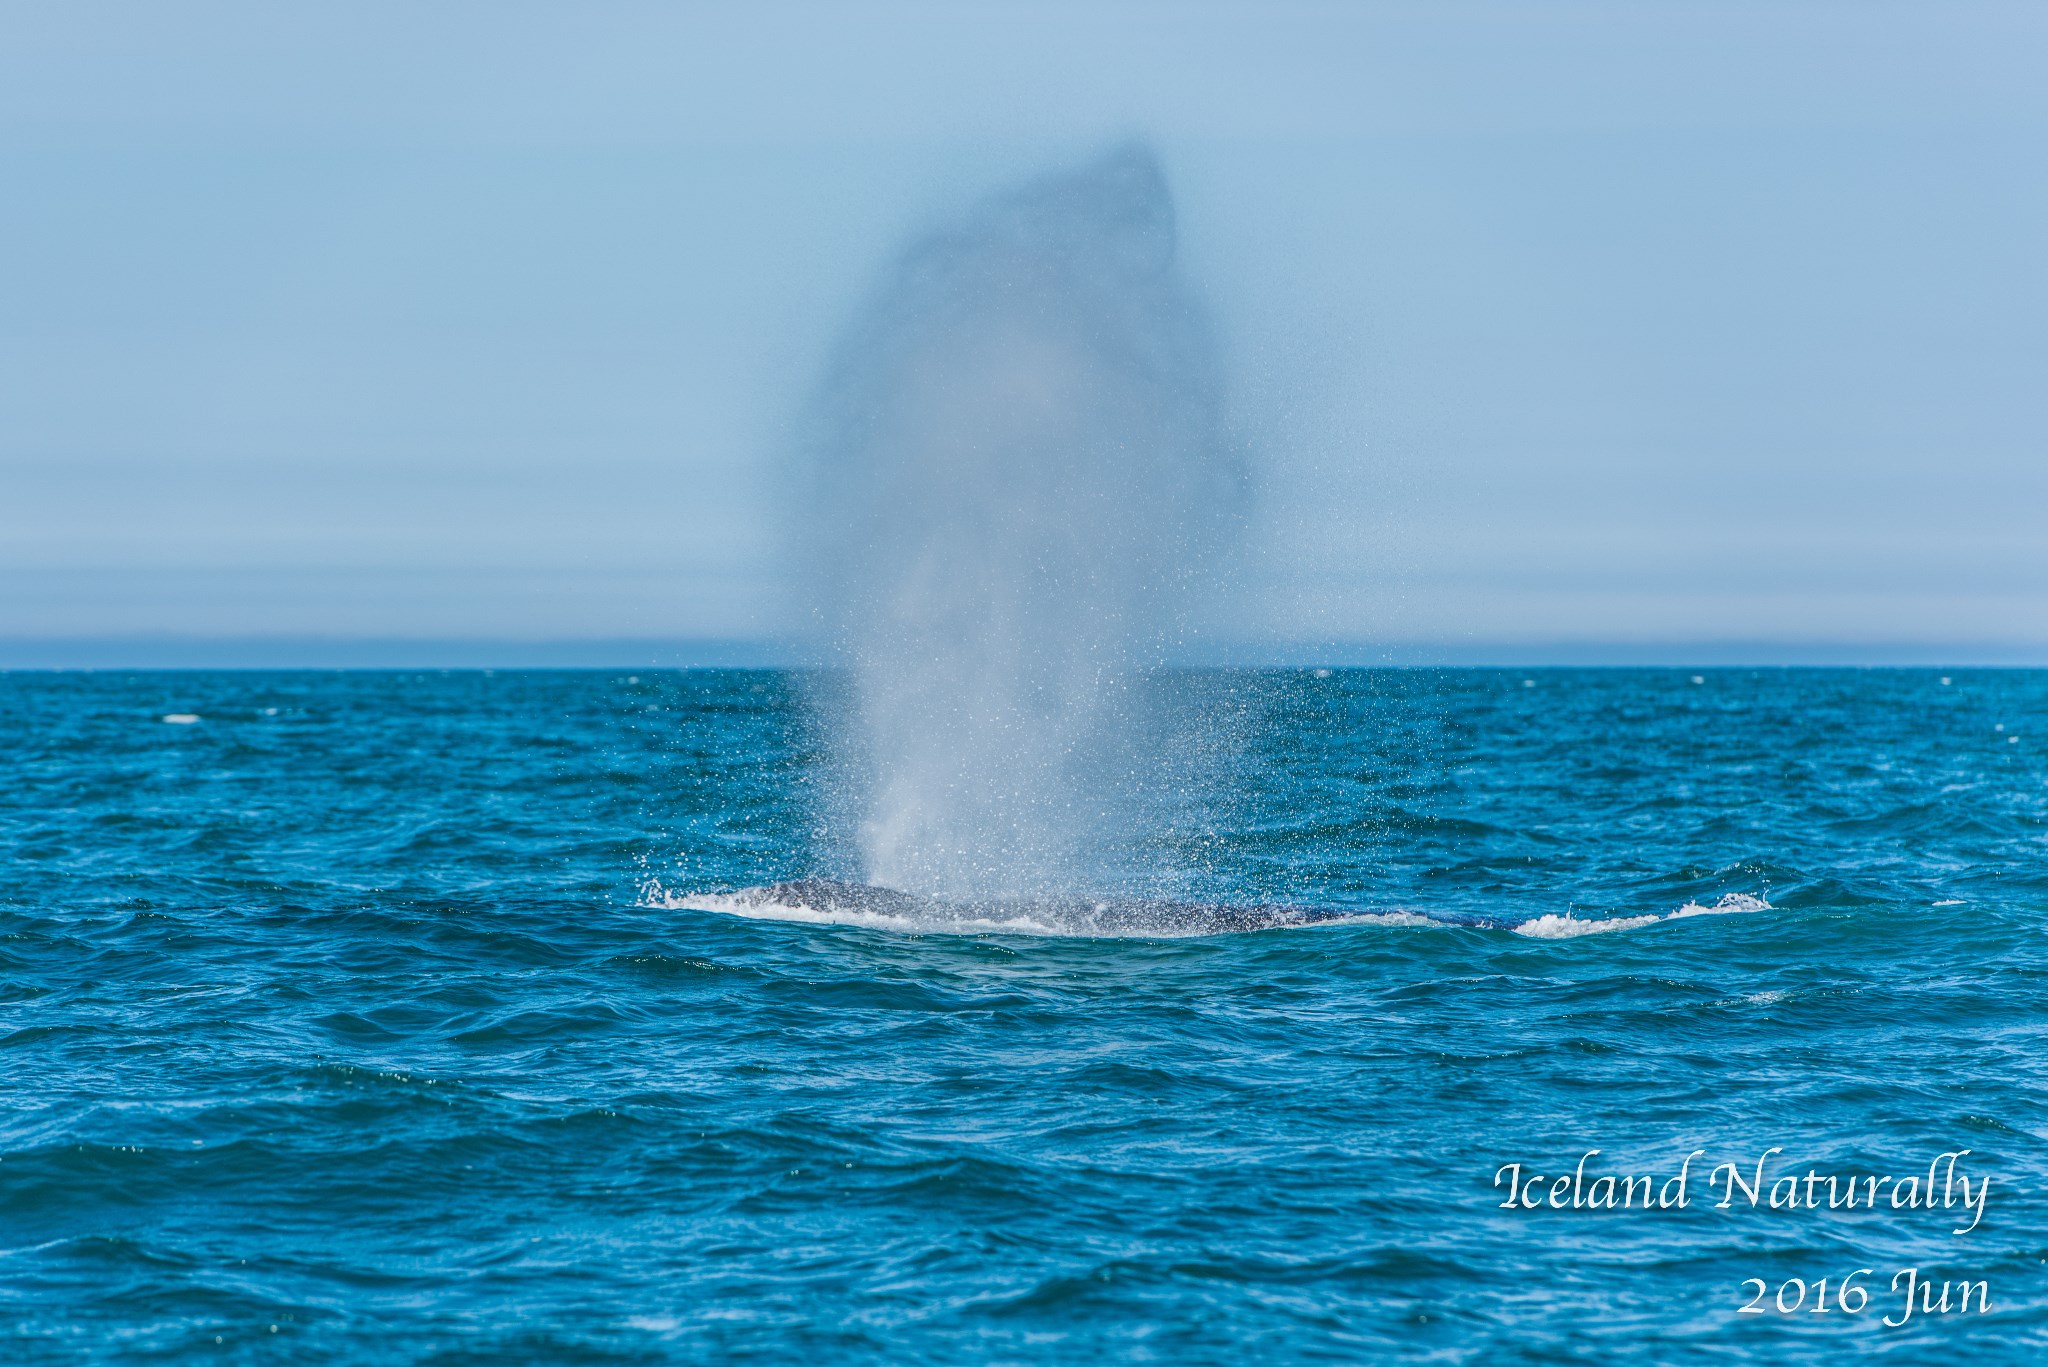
(377, 1018)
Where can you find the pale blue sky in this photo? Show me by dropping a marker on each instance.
(1560, 323)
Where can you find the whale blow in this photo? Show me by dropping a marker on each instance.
(1019, 463)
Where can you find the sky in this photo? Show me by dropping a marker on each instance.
(1572, 328)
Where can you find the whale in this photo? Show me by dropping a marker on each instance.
(834, 900)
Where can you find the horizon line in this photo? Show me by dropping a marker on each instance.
(280, 652)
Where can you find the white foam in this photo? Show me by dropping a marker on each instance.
(758, 909)
(1568, 926)
(181, 718)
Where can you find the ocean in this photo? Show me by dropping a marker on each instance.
(417, 1017)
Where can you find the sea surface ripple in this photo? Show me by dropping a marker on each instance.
(364, 1018)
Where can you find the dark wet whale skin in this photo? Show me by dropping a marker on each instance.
(1080, 915)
